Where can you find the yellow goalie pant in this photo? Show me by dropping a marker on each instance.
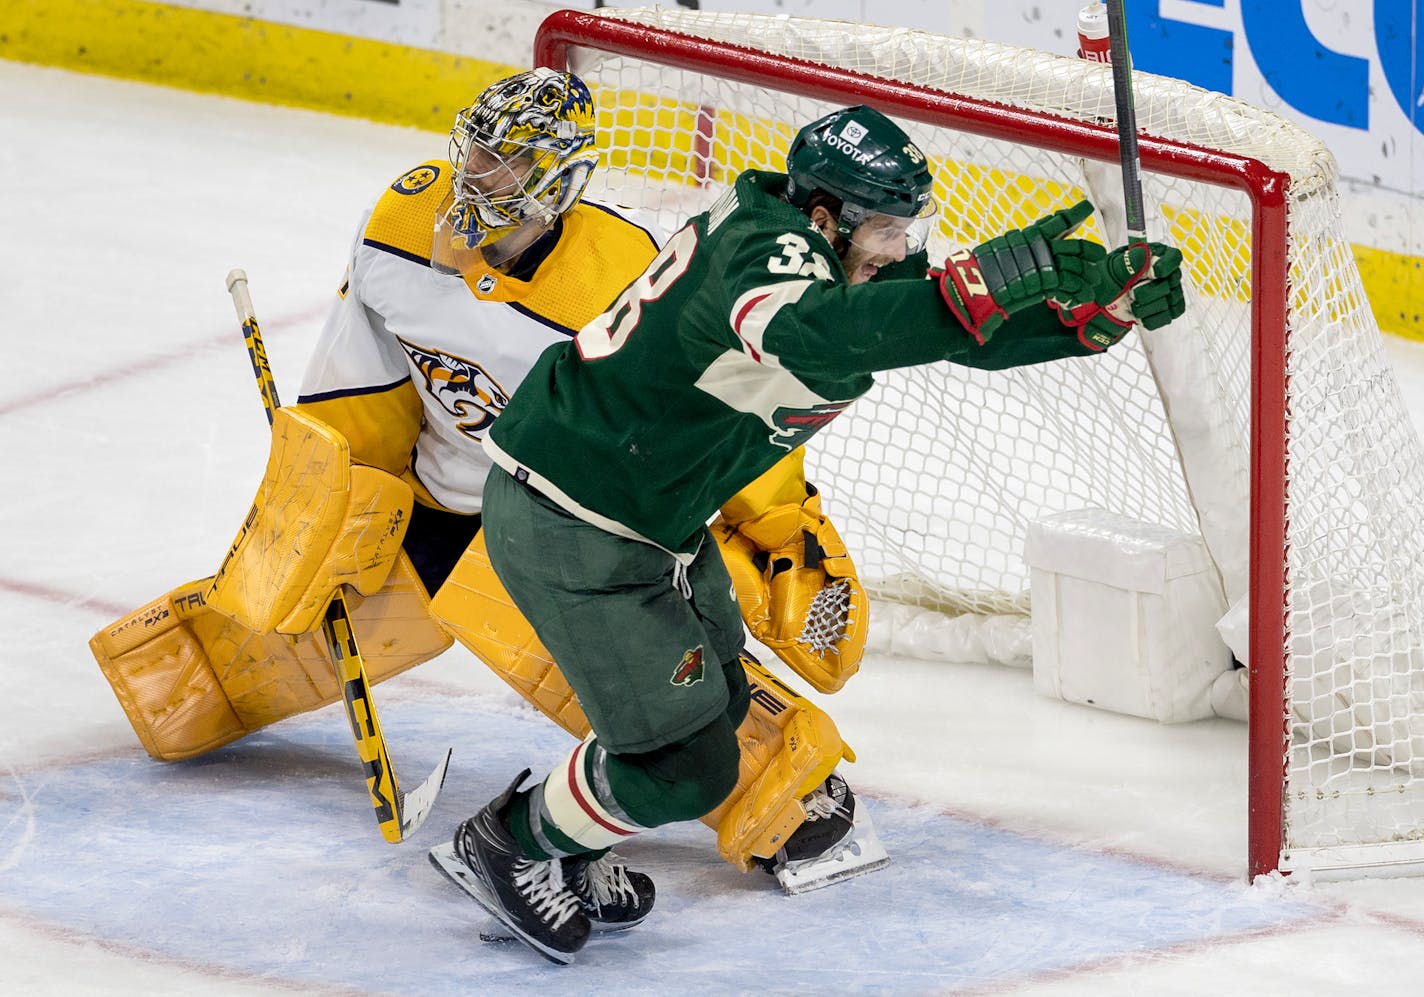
(789, 745)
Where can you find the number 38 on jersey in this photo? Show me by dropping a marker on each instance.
(607, 333)
(797, 258)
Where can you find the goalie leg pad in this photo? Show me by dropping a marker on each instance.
(318, 522)
(163, 679)
(789, 746)
(474, 606)
(190, 679)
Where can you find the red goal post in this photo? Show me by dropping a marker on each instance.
(688, 99)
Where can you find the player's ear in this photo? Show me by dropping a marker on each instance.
(825, 222)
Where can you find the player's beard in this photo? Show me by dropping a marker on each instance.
(859, 265)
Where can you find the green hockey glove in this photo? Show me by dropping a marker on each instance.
(1140, 282)
(1022, 267)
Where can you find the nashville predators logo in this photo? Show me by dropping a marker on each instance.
(416, 180)
(689, 670)
(461, 387)
(794, 426)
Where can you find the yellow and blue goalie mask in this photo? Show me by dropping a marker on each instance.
(522, 152)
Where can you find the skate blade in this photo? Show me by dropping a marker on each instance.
(859, 854)
(443, 857)
(495, 931)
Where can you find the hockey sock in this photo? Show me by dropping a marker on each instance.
(522, 829)
(680, 781)
(573, 811)
(594, 800)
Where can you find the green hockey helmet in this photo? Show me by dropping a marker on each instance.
(867, 162)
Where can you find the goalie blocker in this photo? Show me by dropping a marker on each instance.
(193, 673)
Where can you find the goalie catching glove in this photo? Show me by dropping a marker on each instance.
(799, 591)
(1019, 269)
(1140, 282)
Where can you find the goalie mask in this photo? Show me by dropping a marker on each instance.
(522, 152)
(868, 163)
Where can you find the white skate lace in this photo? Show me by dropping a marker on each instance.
(542, 885)
(606, 882)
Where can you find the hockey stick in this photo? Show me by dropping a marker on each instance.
(1126, 122)
(398, 813)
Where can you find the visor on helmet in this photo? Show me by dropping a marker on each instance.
(896, 236)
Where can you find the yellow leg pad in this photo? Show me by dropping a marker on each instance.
(789, 746)
(190, 679)
(164, 681)
(474, 606)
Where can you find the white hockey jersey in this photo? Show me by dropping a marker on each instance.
(414, 365)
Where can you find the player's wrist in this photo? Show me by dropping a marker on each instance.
(962, 286)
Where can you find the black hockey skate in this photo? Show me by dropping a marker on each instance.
(527, 896)
(614, 897)
(836, 841)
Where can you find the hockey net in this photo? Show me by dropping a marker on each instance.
(1267, 421)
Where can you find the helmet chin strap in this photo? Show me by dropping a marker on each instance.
(850, 216)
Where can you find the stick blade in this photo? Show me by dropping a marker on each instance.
(416, 805)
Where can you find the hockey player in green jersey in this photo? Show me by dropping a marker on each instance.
(758, 323)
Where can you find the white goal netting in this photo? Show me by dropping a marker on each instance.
(933, 478)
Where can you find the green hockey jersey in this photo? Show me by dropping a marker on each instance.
(737, 344)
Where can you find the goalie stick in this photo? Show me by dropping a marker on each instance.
(397, 812)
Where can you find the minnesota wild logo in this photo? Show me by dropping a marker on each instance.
(794, 426)
(689, 670)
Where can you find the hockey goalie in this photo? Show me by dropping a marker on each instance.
(374, 488)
